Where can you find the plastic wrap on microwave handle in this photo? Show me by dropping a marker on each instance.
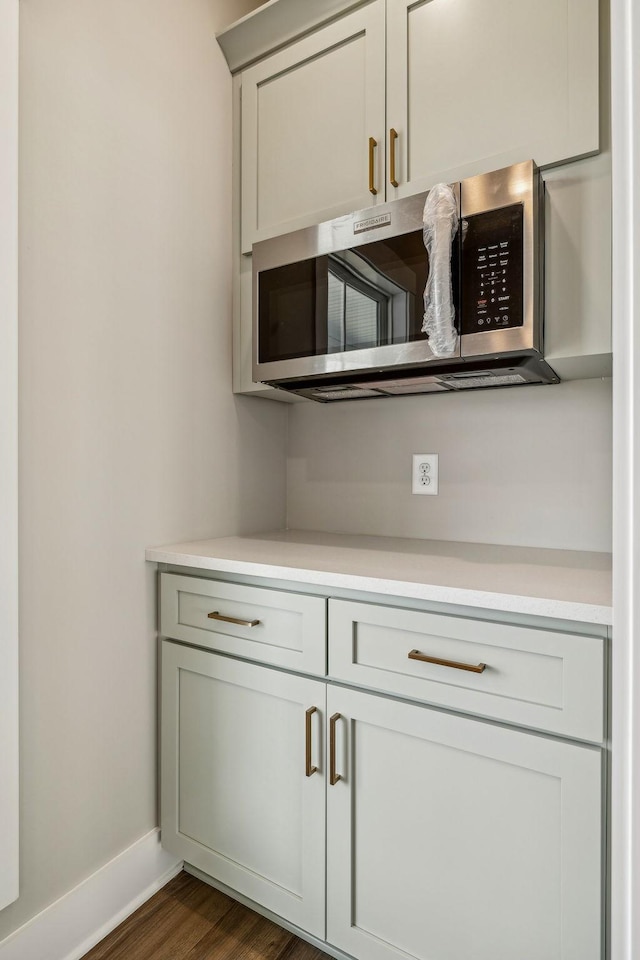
(440, 222)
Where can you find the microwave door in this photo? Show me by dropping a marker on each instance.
(357, 309)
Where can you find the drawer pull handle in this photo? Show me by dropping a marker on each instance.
(333, 776)
(393, 136)
(472, 668)
(308, 768)
(372, 181)
(241, 623)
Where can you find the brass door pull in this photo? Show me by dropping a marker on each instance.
(372, 146)
(457, 665)
(308, 768)
(241, 623)
(333, 776)
(393, 136)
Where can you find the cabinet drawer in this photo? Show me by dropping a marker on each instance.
(531, 677)
(276, 627)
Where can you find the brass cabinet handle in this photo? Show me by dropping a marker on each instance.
(372, 146)
(308, 769)
(393, 136)
(472, 668)
(333, 776)
(241, 623)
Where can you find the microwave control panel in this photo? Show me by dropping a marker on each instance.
(492, 278)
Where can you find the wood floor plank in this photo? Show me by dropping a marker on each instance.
(168, 926)
(301, 950)
(189, 920)
(242, 935)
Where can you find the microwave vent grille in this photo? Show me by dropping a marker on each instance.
(484, 380)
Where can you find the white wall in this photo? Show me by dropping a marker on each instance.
(9, 771)
(129, 433)
(528, 466)
(625, 671)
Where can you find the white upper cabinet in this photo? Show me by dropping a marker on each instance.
(446, 89)
(308, 113)
(475, 85)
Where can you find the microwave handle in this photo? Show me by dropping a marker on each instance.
(440, 223)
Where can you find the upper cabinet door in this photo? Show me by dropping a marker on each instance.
(308, 113)
(475, 85)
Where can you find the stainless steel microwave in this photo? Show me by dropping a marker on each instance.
(338, 308)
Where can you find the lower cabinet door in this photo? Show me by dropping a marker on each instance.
(454, 839)
(240, 799)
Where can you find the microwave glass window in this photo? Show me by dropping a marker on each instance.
(287, 314)
(365, 324)
(357, 306)
(357, 299)
(400, 266)
(335, 314)
(404, 262)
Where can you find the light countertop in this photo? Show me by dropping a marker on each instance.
(562, 584)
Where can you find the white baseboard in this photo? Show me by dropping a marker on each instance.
(72, 925)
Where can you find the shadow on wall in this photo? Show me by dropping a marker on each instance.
(261, 464)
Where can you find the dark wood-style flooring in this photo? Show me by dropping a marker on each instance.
(189, 920)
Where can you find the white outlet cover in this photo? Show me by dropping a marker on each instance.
(424, 474)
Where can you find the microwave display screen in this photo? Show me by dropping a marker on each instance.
(492, 277)
(367, 296)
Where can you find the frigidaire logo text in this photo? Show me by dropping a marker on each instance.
(372, 223)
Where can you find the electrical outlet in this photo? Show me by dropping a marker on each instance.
(424, 476)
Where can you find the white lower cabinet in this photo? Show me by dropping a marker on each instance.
(454, 839)
(389, 828)
(236, 800)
